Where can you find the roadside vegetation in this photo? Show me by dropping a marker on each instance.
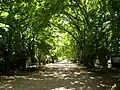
(37, 32)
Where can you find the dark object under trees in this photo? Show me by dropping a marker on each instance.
(115, 61)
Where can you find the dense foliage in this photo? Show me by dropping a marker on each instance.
(79, 30)
(94, 26)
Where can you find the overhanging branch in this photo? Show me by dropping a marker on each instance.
(61, 27)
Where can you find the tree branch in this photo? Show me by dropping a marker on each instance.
(61, 27)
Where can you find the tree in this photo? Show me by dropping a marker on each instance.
(22, 25)
(88, 22)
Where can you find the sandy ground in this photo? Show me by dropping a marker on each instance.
(59, 76)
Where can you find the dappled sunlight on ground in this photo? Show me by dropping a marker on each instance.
(63, 88)
(58, 77)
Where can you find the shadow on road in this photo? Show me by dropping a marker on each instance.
(58, 77)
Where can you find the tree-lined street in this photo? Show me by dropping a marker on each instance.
(34, 33)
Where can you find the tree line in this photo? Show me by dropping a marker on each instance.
(31, 29)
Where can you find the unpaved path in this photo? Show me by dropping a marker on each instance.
(60, 76)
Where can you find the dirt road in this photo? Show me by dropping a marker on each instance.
(59, 76)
